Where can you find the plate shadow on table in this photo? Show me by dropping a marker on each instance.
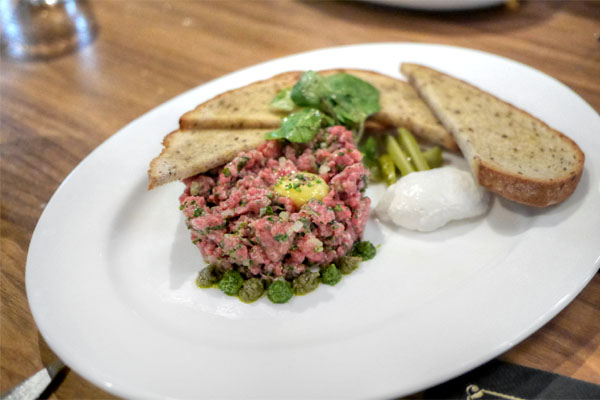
(495, 19)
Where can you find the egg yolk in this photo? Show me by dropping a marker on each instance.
(301, 187)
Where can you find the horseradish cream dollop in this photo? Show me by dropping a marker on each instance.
(427, 200)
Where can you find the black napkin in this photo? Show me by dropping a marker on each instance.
(501, 380)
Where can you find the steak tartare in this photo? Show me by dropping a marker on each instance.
(254, 216)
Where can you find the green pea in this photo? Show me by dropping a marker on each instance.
(347, 264)
(251, 290)
(208, 277)
(280, 291)
(231, 283)
(306, 283)
(330, 275)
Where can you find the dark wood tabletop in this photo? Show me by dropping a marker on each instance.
(54, 112)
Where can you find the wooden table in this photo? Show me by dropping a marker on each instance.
(53, 113)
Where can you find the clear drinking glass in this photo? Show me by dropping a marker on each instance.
(42, 29)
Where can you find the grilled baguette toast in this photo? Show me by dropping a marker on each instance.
(510, 152)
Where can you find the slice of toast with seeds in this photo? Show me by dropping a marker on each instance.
(401, 107)
(241, 108)
(192, 151)
(239, 118)
(248, 107)
(510, 152)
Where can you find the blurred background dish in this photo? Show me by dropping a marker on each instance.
(440, 5)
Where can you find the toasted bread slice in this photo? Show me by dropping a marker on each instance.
(190, 152)
(401, 106)
(242, 108)
(249, 107)
(510, 152)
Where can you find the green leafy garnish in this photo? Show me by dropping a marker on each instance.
(283, 101)
(344, 97)
(351, 99)
(310, 90)
(369, 151)
(300, 126)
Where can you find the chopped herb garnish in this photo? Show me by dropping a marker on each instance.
(300, 126)
(268, 210)
(283, 101)
(280, 237)
(242, 163)
(226, 172)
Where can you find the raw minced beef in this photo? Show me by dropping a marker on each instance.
(239, 222)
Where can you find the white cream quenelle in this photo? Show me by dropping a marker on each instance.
(427, 200)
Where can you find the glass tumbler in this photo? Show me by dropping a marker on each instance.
(43, 29)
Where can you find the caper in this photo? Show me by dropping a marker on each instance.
(231, 283)
(330, 275)
(280, 291)
(208, 277)
(306, 282)
(251, 290)
(347, 264)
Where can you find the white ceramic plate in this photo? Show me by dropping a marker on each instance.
(110, 273)
(440, 5)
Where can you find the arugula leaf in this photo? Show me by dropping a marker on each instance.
(283, 101)
(369, 151)
(300, 126)
(352, 98)
(309, 90)
(346, 98)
